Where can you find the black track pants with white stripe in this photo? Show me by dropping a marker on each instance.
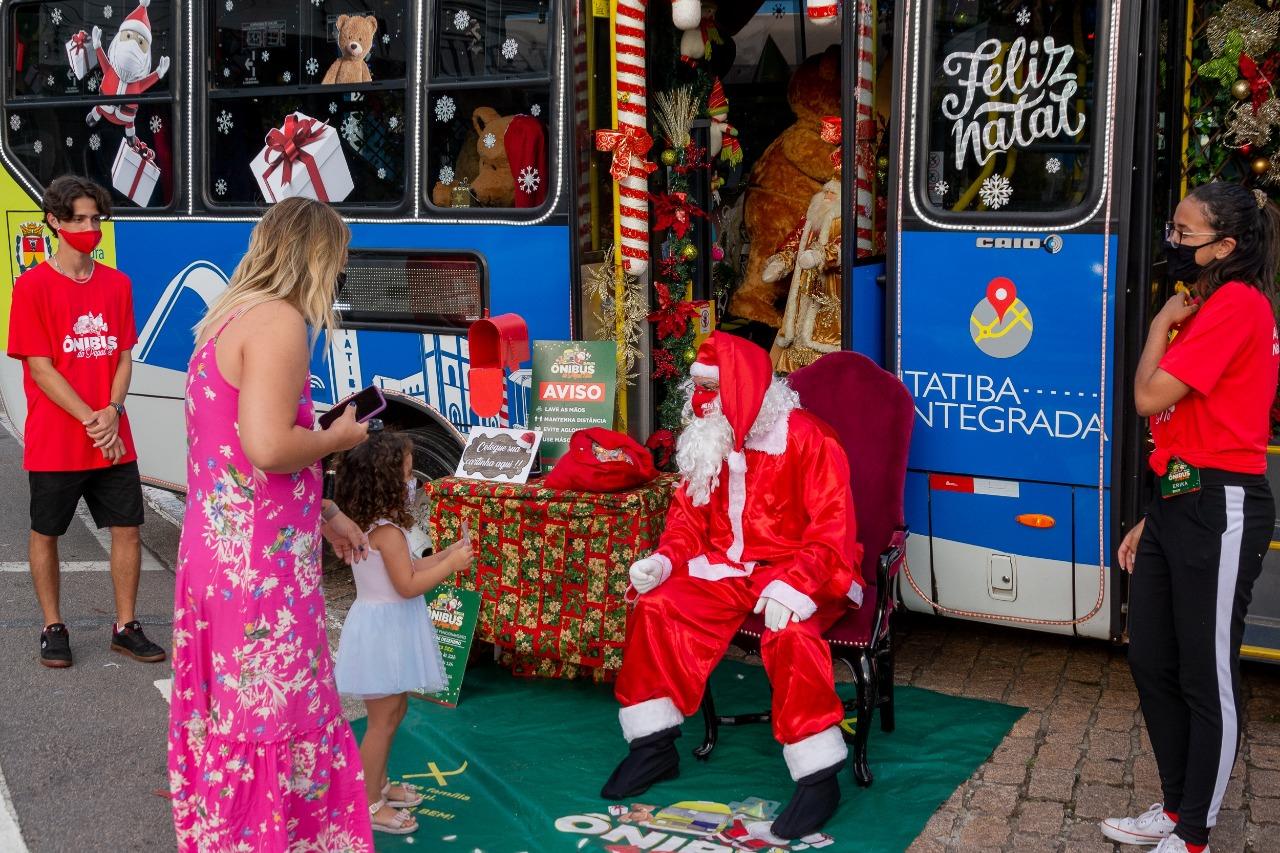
(1192, 582)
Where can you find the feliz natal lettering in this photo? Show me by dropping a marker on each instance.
(1042, 108)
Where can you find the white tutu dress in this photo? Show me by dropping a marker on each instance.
(388, 643)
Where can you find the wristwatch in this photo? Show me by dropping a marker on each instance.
(119, 407)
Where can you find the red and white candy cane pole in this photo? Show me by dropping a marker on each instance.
(633, 119)
(864, 128)
(822, 12)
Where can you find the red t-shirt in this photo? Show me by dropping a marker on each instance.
(1229, 353)
(83, 328)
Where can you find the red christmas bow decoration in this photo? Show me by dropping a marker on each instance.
(673, 211)
(287, 143)
(146, 155)
(78, 41)
(673, 315)
(832, 132)
(1259, 77)
(630, 141)
(662, 444)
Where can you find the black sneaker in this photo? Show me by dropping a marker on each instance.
(55, 646)
(132, 642)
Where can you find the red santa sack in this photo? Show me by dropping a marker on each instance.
(601, 460)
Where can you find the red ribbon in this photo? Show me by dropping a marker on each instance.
(287, 142)
(832, 132)
(673, 211)
(77, 41)
(630, 141)
(145, 156)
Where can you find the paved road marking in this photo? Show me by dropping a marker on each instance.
(149, 564)
(10, 836)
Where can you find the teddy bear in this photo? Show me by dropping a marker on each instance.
(355, 37)
(782, 182)
(512, 161)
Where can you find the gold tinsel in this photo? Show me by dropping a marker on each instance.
(1258, 29)
(1272, 175)
(675, 111)
(601, 283)
(1244, 127)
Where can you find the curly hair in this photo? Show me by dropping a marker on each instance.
(370, 484)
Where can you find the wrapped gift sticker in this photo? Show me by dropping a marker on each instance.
(302, 157)
(80, 55)
(135, 172)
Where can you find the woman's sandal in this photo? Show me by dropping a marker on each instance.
(401, 822)
(410, 799)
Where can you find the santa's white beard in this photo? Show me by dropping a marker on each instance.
(821, 214)
(701, 451)
(129, 60)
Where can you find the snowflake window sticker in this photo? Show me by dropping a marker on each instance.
(393, 122)
(70, 142)
(333, 108)
(445, 109)
(266, 56)
(351, 129)
(225, 123)
(535, 110)
(55, 15)
(386, 38)
(156, 124)
(510, 49)
(286, 77)
(996, 191)
(382, 174)
(95, 141)
(226, 72)
(221, 186)
(461, 19)
(313, 66)
(107, 12)
(490, 140)
(49, 81)
(1024, 16)
(941, 188)
(15, 122)
(93, 83)
(529, 179)
(1053, 165)
(230, 4)
(446, 174)
(37, 146)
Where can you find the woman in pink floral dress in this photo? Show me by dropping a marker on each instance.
(260, 756)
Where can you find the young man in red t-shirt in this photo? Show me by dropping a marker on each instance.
(71, 324)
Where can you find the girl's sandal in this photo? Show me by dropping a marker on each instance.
(409, 798)
(400, 823)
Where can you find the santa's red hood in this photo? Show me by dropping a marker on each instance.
(745, 374)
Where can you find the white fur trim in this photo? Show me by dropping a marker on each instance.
(737, 502)
(784, 593)
(814, 753)
(666, 566)
(648, 718)
(703, 569)
(769, 432)
(705, 371)
(774, 440)
(855, 591)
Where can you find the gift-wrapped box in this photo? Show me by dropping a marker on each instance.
(551, 567)
(302, 157)
(80, 55)
(134, 173)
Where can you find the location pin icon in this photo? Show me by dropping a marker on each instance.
(1001, 293)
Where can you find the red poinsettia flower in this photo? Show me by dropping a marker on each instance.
(672, 315)
(664, 365)
(662, 444)
(673, 212)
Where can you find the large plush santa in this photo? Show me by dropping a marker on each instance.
(126, 69)
(762, 522)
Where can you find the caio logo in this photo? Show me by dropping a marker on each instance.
(1051, 243)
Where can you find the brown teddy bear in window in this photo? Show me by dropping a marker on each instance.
(513, 162)
(355, 38)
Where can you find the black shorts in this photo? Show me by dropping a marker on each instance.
(113, 495)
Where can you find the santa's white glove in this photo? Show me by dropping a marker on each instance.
(162, 67)
(646, 574)
(776, 614)
(808, 259)
(96, 37)
(773, 269)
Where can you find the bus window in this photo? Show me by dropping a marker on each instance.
(64, 118)
(268, 59)
(488, 103)
(1011, 114)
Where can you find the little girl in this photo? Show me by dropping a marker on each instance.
(388, 644)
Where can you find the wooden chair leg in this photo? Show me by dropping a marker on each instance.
(885, 656)
(712, 727)
(865, 674)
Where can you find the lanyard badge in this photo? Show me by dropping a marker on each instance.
(1179, 479)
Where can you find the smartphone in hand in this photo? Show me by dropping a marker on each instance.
(368, 403)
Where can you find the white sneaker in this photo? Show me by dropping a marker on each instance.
(1174, 844)
(1151, 827)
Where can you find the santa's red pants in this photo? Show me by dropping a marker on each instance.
(680, 631)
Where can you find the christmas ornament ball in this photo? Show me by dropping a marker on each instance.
(688, 355)
(669, 157)
(882, 163)
(1261, 165)
(1240, 89)
(1246, 148)
(689, 252)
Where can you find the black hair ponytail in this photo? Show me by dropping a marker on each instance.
(1253, 220)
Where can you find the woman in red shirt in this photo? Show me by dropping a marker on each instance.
(1196, 554)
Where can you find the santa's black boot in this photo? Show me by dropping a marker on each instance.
(812, 804)
(653, 758)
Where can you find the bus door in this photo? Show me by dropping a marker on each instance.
(1009, 168)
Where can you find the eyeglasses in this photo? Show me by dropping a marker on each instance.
(1171, 230)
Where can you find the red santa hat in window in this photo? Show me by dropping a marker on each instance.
(526, 145)
(138, 21)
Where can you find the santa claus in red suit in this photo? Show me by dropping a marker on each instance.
(126, 69)
(763, 522)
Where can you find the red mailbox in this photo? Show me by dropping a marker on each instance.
(496, 344)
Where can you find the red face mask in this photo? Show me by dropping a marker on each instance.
(701, 398)
(82, 241)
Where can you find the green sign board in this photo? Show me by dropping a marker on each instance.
(454, 613)
(573, 388)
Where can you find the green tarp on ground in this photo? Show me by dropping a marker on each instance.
(519, 764)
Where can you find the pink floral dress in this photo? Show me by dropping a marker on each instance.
(260, 757)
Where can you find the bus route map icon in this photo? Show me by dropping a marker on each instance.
(1001, 323)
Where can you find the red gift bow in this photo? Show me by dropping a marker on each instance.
(673, 315)
(287, 142)
(630, 141)
(1259, 77)
(77, 41)
(145, 155)
(673, 211)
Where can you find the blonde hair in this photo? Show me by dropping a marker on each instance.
(295, 254)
